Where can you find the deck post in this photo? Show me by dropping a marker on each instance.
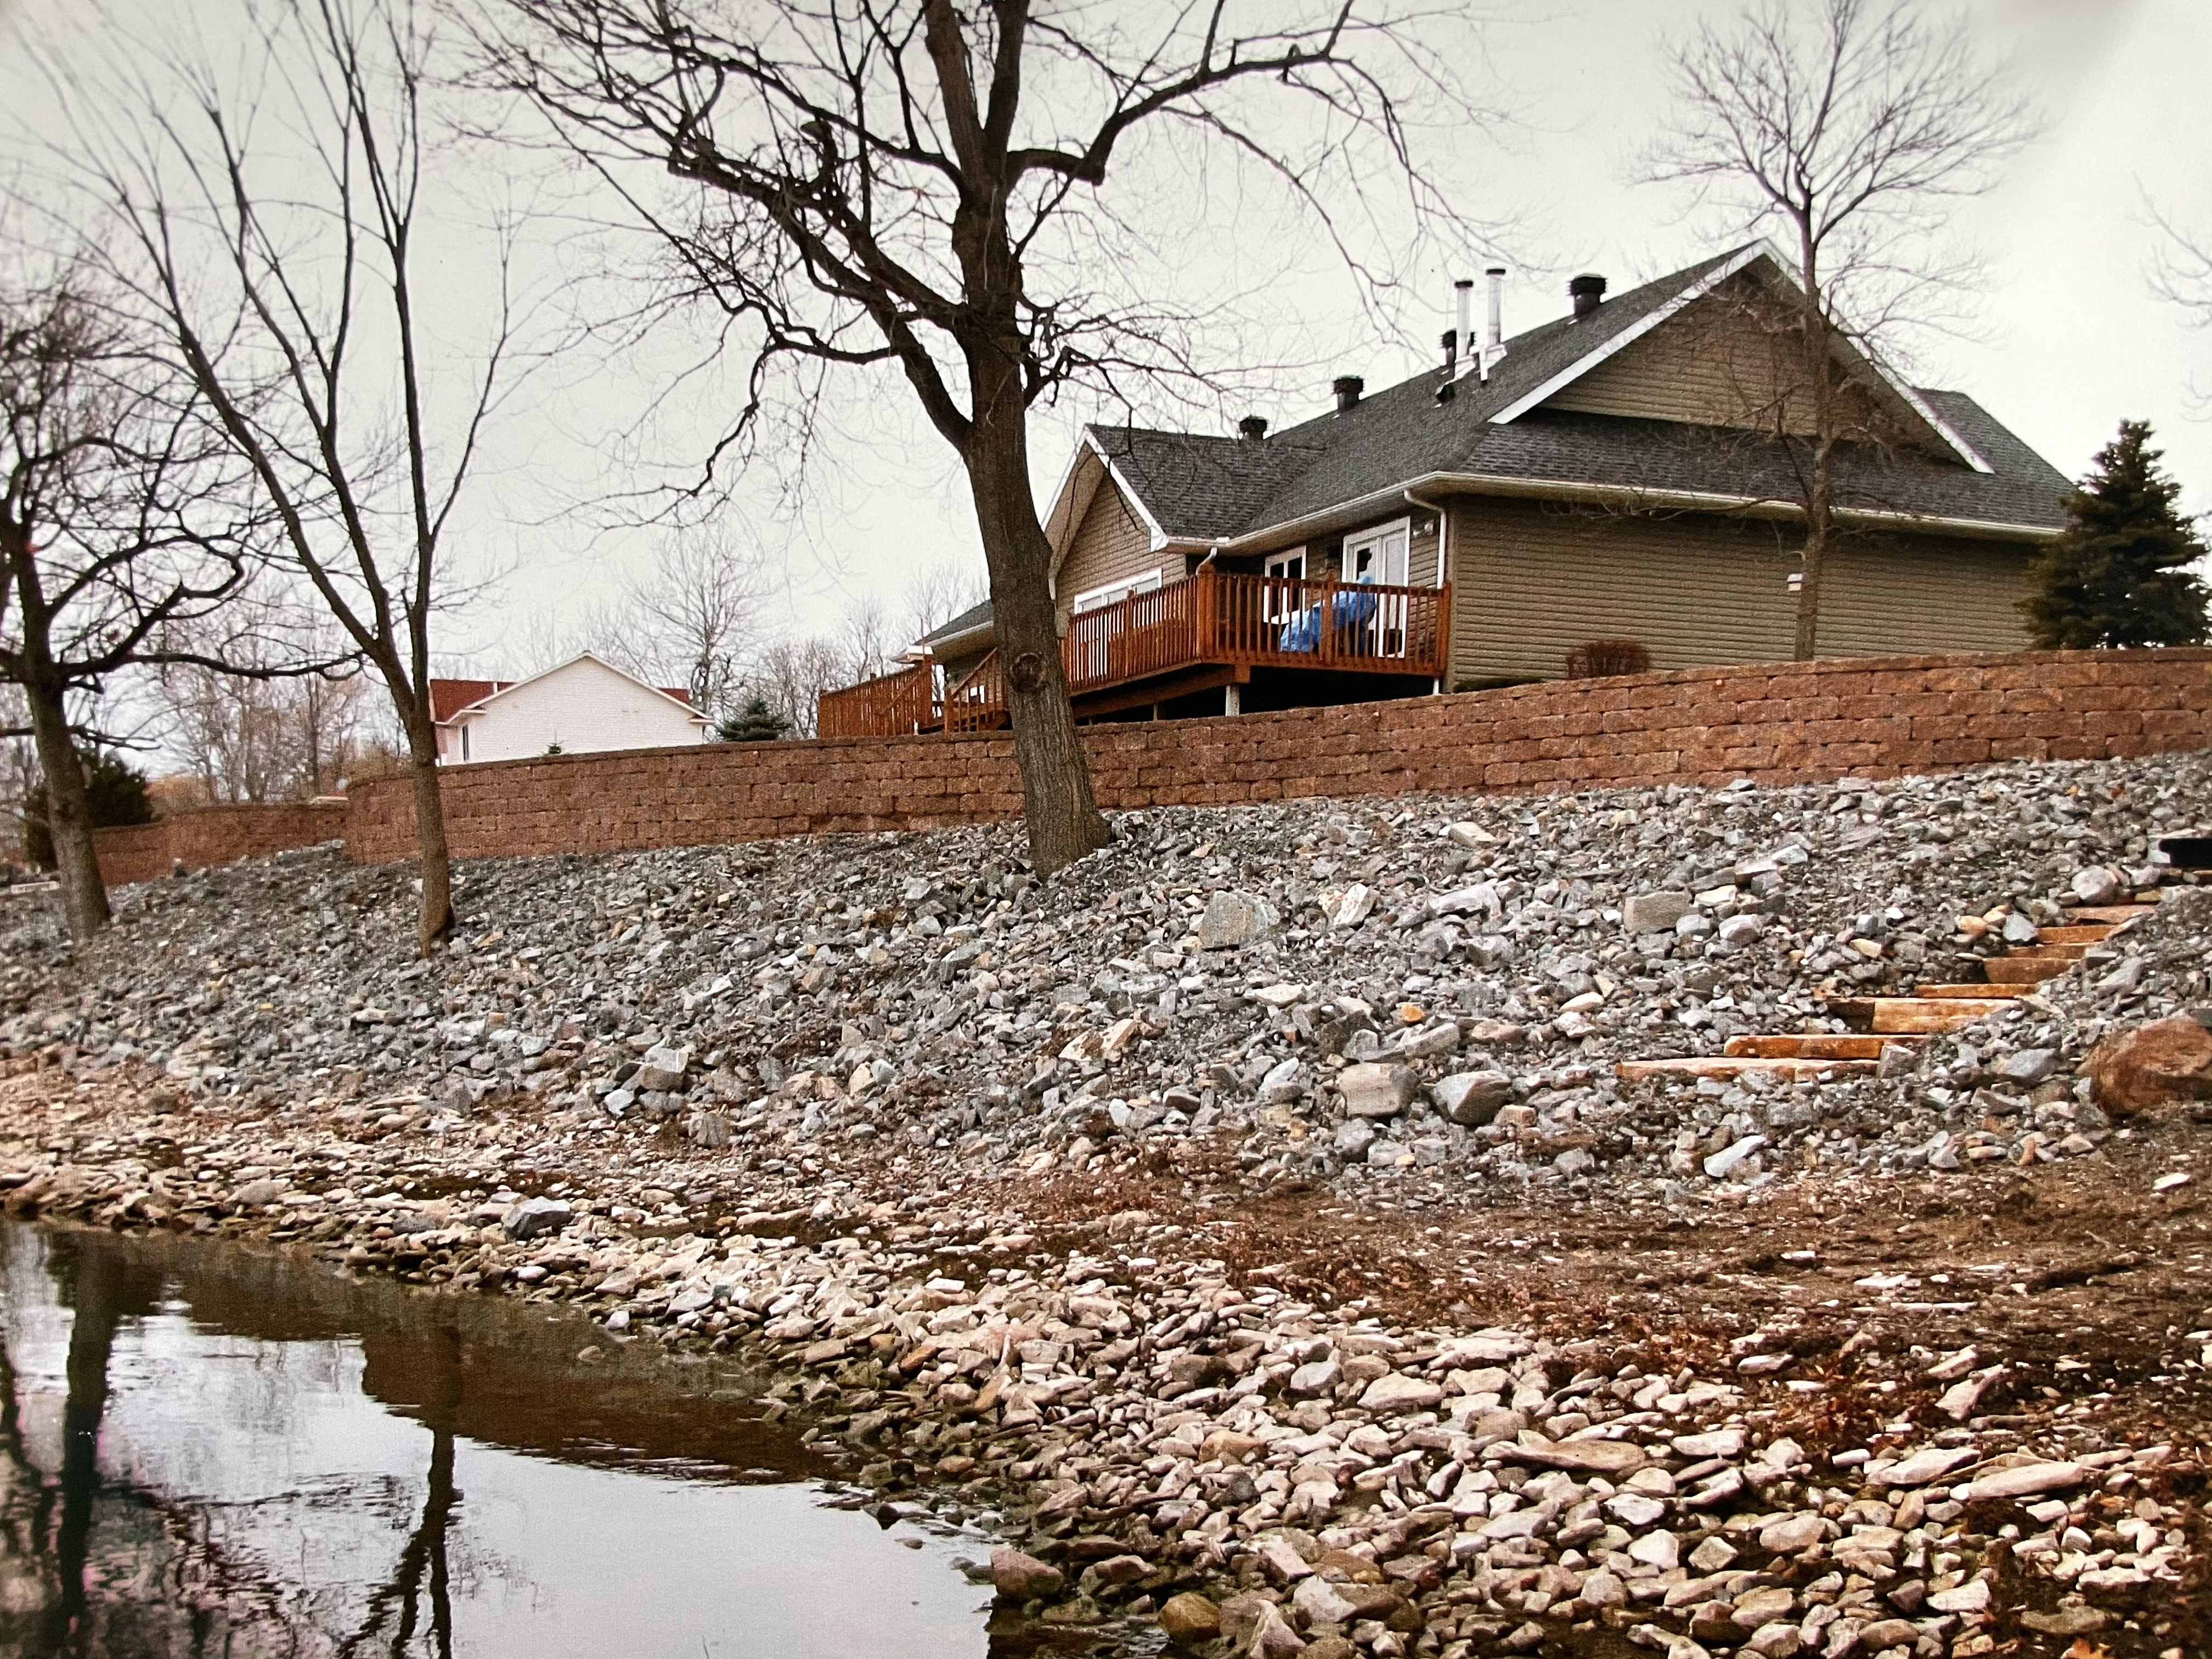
(1232, 698)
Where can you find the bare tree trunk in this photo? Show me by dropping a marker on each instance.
(436, 914)
(1817, 340)
(1057, 803)
(68, 814)
(1819, 513)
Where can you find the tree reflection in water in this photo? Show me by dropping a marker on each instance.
(215, 1452)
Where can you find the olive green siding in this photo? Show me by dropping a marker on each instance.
(1713, 364)
(958, 669)
(1531, 580)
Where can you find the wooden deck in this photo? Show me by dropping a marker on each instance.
(1168, 637)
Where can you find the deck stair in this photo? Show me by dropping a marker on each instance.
(1903, 1022)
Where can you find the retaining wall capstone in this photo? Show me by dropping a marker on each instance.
(1773, 723)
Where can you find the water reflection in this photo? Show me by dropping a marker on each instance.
(207, 1452)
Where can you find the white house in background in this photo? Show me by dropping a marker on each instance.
(580, 707)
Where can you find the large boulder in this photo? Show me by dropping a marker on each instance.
(534, 1218)
(1471, 1097)
(1377, 1090)
(1017, 1577)
(1658, 913)
(1233, 919)
(2165, 1060)
(663, 1067)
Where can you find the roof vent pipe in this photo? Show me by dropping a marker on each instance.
(1446, 391)
(1347, 388)
(1463, 312)
(1494, 340)
(1587, 292)
(1252, 428)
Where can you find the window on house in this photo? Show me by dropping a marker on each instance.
(1284, 575)
(1378, 555)
(465, 742)
(1379, 558)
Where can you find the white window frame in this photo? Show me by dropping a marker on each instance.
(1381, 533)
(1097, 598)
(1280, 599)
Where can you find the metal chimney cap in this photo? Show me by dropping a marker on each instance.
(1347, 388)
(1252, 428)
(1587, 291)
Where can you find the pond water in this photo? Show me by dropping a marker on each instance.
(208, 1450)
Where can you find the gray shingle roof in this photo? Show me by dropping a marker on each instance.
(969, 620)
(1205, 488)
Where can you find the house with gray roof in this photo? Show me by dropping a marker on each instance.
(1633, 470)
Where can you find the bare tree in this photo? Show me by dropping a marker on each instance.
(790, 675)
(2181, 275)
(260, 736)
(122, 515)
(694, 613)
(269, 219)
(918, 186)
(940, 593)
(1853, 125)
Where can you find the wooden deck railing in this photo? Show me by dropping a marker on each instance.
(978, 702)
(894, 704)
(1215, 618)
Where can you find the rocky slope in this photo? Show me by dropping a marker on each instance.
(1002, 1165)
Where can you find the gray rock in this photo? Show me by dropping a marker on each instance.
(2028, 1066)
(1377, 1090)
(254, 1194)
(1657, 913)
(2019, 929)
(1353, 1137)
(1738, 933)
(1724, 1163)
(1472, 1098)
(663, 1068)
(533, 1218)
(2099, 884)
(1316, 1377)
(1233, 919)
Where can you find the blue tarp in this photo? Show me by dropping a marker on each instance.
(1352, 609)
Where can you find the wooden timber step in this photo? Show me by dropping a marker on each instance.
(2020, 968)
(1890, 1015)
(1717, 1066)
(2114, 914)
(1983, 992)
(1811, 1045)
(2088, 934)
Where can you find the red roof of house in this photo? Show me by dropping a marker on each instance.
(449, 697)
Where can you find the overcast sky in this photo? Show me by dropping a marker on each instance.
(2071, 337)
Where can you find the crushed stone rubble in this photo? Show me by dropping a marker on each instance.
(800, 1096)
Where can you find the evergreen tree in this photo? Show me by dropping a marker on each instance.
(2120, 573)
(114, 790)
(754, 723)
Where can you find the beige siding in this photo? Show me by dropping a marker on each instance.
(1110, 545)
(1714, 363)
(1530, 581)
